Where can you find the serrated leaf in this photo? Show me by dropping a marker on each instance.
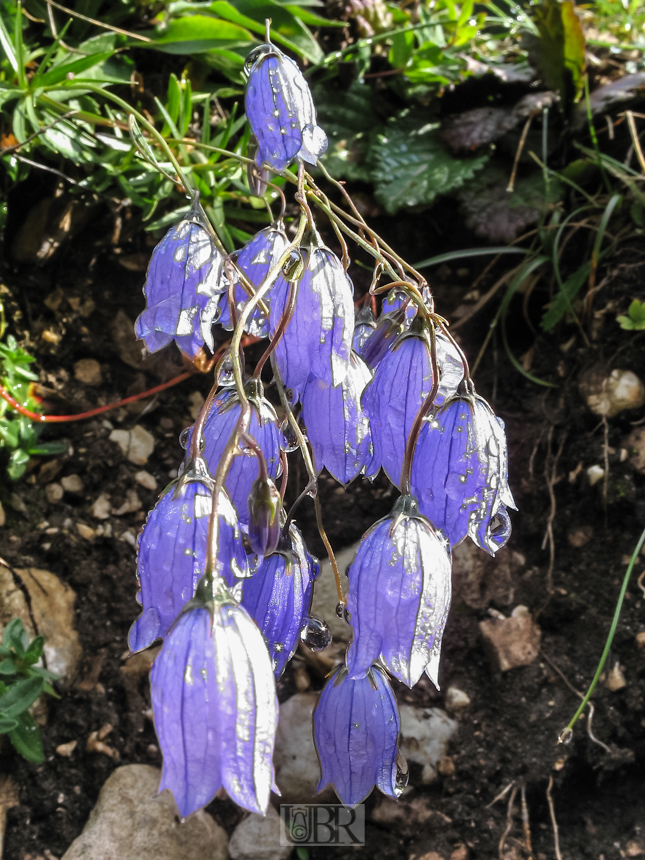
(410, 165)
(15, 636)
(20, 696)
(348, 120)
(7, 725)
(27, 740)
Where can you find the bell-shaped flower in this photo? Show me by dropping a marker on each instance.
(278, 596)
(215, 707)
(451, 368)
(265, 507)
(337, 428)
(318, 338)
(401, 383)
(182, 287)
(356, 731)
(172, 552)
(264, 429)
(399, 596)
(364, 326)
(460, 473)
(280, 110)
(377, 344)
(256, 259)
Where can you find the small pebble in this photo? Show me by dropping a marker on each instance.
(66, 749)
(640, 640)
(72, 484)
(3, 518)
(595, 474)
(54, 493)
(85, 531)
(17, 503)
(88, 371)
(136, 444)
(456, 700)
(616, 678)
(101, 507)
(131, 504)
(145, 479)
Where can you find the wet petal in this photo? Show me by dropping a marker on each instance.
(356, 728)
(183, 276)
(337, 428)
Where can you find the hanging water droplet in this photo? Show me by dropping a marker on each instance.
(315, 633)
(566, 736)
(291, 440)
(184, 437)
(402, 774)
(343, 612)
(225, 376)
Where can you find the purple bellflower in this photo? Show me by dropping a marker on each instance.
(172, 552)
(318, 338)
(376, 345)
(263, 427)
(182, 287)
(215, 707)
(280, 110)
(401, 383)
(399, 596)
(356, 730)
(278, 596)
(460, 473)
(363, 328)
(337, 428)
(256, 259)
(265, 508)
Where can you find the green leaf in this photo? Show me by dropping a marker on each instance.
(15, 636)
(635, 321)
(402, 49)
(562, 302)
(21, 696)
(17, 464)
(410, 165)
(348, 119)
(27, 740)
(8, 667)
(198, 34)
(560, 47)
(60, 73)
(35, 650)
(7, 725)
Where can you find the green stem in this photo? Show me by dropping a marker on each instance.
(565, 735)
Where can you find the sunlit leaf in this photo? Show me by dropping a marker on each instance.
(559, 50)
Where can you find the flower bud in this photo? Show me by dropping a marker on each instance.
(265, 505)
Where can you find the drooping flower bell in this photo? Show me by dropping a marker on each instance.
(172, 551)
(376, 345)
(264, 429)
(280, 110)
(182, 287)
(215, 707)
(460, 473)
(399, 596)
(255, 259)
(278, 596)
(356, 730)
(318, 338)
(337, 428)
(402, 381)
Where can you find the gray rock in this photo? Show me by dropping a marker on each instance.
(88, 371)
(54, 493)
(72, 484)
(131, 821)
(326, 597)
(456, 700)
(258, 838)
(297, 770)
(608, 395)
(425, 734)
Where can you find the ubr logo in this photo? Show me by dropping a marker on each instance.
(321, 824)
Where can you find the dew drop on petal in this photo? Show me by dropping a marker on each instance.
(402, 774)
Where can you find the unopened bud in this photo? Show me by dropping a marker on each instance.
(264, 516)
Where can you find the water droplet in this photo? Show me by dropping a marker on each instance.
(343, 612)
(184, 439)
(291, 440)
(402, 774)
(315, 633)
(566, 736)
(225, 376)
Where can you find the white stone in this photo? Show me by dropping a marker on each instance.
(609, 395)
(72, 484)
(85, 531)
(101, 507)
(145, 479)
(326, 597)
(130, 821)
(88, 371)
(595, 474)
(136, 444)
(54, 493)
(258, 838)
(425, 734)
(456, 700)
(131, 504)
(297, 770)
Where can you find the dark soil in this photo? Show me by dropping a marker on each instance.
(575, 539)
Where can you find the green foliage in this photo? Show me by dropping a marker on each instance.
(17, 433)
(21, 683)
(560, 48)
(635, 319)
(410, 165)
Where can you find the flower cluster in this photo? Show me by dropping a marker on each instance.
(225, 577)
